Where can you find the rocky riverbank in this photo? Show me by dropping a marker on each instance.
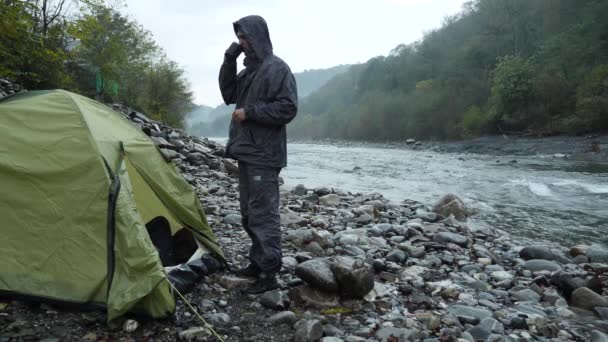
(357, 267)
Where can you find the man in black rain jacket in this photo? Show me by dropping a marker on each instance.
(266, 100)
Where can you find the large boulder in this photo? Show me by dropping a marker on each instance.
(542, 252)
(585, 298)
(450, 204)
(355, 278)
(318, 274)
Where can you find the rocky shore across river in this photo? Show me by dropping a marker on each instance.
(357, 267)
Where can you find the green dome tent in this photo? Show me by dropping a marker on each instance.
(78, 183)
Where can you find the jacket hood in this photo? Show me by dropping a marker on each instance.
(256, 31)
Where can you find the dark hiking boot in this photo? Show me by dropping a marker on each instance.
(212, 263)
(264, 283)
(251, 271)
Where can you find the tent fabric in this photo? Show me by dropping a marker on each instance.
(58, 154)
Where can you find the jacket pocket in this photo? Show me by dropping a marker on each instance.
(259, 135)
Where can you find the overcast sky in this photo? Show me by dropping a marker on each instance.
(307, 34)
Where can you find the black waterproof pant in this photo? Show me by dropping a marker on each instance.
(259, 199)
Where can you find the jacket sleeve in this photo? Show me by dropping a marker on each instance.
(228, 80)
(283, 104)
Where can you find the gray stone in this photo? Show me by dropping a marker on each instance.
(292, 219)
(501, 275)
(378, 205)
(447, 237)
(285, 317)
(322, 191)
(597, 336)
(585, 298)
(526, 295)
(492, 325)
(233, 219)
(596, 254)
(169, 154)
(364, 219)
(309, 330)
(542, 252)
(300, 190)
(231, 282)
(308, 297)
(197, 159)
(355, 278)
(390, 334)
(330, 330)
(318, 273)
(471, 268)
(536, 265)
(602, 312)
(519, 323)
(330, 200)
(479, 333)
(219, 318)
(194, 333)
(290, 263)
(450, 204)
(275, 299)
(426, 216)
(396, 255)
(463, 310)
(331, 339)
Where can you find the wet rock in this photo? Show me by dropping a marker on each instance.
(446, 237)
(197, 159)
(292, 219)
(479, 333)
(602, 312)
(426, 216)
(596, 254)
(463, 310)
(220, 318)
(330, 339)
(519, 323)
(542, 252)
(300, 190)
(501, 275)
(364, 219)
(306, 296)
(308, 331)
(390, 334)
(396, 255)
(330, 200)
(355, 278)
(526, 295)
(492, 325)
(450, 204)
(578, 250)
(378, 205)
(318, 273)
(597, 336)
(536, 265)
(585, 298)
(276, 299)
(231, 282)
(130, 325)
(233, 219)
(194, 333)
(285, 317)
(169, 154)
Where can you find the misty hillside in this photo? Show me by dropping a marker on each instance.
(527, 67)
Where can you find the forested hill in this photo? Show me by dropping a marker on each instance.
(206, 121)
(499, 66)
(91, 48)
